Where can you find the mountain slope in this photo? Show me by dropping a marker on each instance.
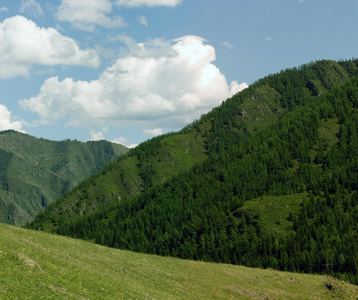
(160, 158)
(156, 161)
(305, 147)
(247, 113)
(35, 172)
(36, 264)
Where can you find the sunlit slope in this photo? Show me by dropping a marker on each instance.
(38, 265)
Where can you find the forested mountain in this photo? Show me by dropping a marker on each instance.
(267, 179)
(35, 172)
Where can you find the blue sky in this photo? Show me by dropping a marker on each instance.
(127, 70)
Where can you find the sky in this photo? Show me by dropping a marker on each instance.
(129, 70)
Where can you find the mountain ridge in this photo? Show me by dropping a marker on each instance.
(35, 172)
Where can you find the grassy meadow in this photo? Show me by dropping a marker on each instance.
(37, 265)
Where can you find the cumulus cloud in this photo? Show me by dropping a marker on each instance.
(23, 44)
(5, 120)
(142, 20)
(4, 8)
(155, 84)
(32, 7)
(85, 14)
(136, 3)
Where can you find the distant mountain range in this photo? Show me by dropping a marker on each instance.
(267, 179)
(35, 172)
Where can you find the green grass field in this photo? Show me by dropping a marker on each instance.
(37, 265)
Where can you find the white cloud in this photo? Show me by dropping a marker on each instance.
(153, 132)
(23, 44)
(142, 20)
(5, 120)
(136, 3)
(4, 8)
(227, 45)
(96, 136)
(85, 14)
(235, 87)
(123, 141)
(268, 38)
(156, 84)
(32, 7)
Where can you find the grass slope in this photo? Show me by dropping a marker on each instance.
(38, 171)
(37, 265)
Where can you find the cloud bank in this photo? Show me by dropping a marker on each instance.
(157, 84)
(23, 44)
(85, 14)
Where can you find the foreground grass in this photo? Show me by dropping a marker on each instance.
(35, 265)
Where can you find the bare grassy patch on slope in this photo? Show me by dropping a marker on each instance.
(274, 211)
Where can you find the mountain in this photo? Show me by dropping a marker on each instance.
(35, 172)
(38, 265)
(268, 179)
(157, 160)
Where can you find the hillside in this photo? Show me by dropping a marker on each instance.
(38, 265)
(157, 160)
(35, 172)
(275, 185)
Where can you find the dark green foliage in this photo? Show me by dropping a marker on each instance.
(199, 213)
(5, 158)
(103, 152)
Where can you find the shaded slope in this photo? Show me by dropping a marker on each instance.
(36, 264)
(34, 172)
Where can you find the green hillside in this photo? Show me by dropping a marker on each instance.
(35, 172)
(272, 181)
(154, 162)
(37, 265)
